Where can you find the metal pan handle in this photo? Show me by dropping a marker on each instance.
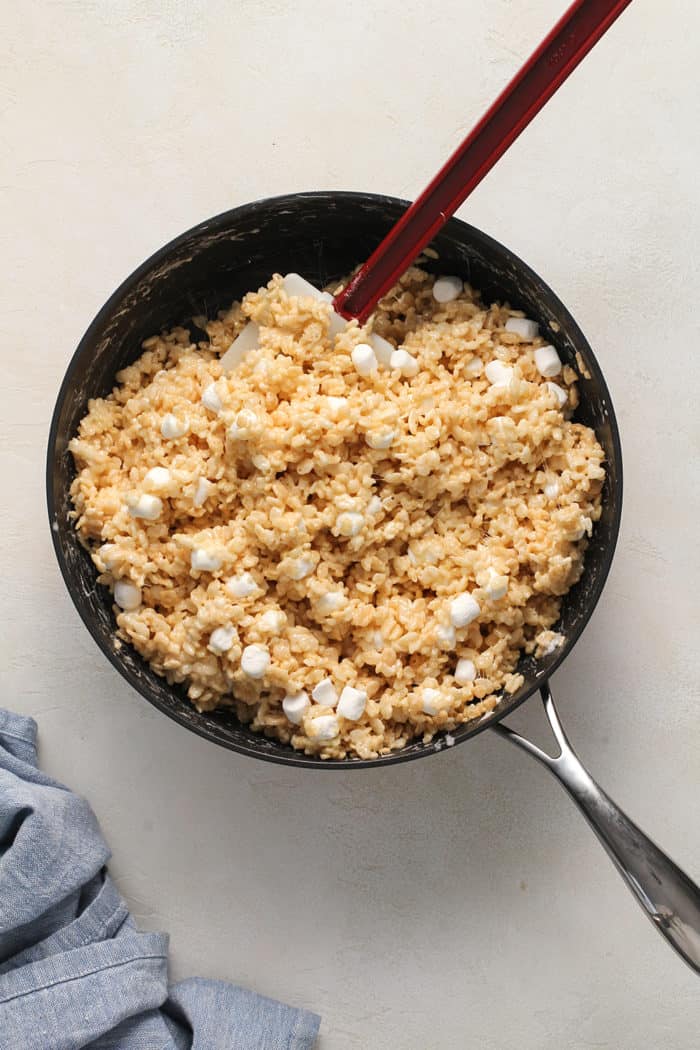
(667, 895)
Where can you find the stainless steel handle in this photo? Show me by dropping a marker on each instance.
(667, 895)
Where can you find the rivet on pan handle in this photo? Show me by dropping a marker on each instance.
(667, 895)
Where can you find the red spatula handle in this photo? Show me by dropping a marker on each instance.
(556, 57)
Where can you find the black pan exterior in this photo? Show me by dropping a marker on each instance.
(321, 236)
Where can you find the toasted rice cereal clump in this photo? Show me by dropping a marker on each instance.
(358, 520)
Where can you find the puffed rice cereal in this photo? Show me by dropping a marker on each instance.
(349, 550)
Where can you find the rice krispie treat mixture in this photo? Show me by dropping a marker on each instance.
(348, 546)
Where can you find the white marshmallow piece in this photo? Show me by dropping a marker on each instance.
(523, 327)
(221, 639)
(349, 524)
(324, 727)
(551, 489)
(431, 701)
(302, 567)
(374, 506)
(382, 440)
(446, 289)
(337, 406)
(272, 621)
(547, 361)
(171, 427)
(106, 552)
(255, 660)
(445, 636)
(261, 463)
(474, 367)
(463, 609)
(203, 560)
(496, 585)
(211, 399)
(240, 430)
(241, 586)
(498, 374)
(330, 602)
(378, 641)
(560, 394)
(147, 507)
(295, 706)
(127, 595)
(157, 478)
(383, 350)
(325, 693)
(202, 492)
(352, 703)
(364, 359)
(465, 671)
(403, 362)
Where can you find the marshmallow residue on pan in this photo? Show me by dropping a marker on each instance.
(348, 535)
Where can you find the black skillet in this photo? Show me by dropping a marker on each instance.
(322, 236)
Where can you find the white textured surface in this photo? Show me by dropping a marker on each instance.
(456, 902)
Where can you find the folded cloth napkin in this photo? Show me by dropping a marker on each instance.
(74, 970)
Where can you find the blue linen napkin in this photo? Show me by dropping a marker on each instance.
(74, 970)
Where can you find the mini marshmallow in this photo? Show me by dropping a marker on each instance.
(430, 701)
(547, 361)
(324, 727)
(463, 609)
(446, 289)
(221, 639)
(403, 362)
(157, 478)
(364, 359)
(449, 740)
(106, 552)
(474, 367)
(465, 671)
(255, 660)
(241, 586)
(325, 693)
(337, 406)
(127, 595)
(240, 429)
(579, 531)
(211, 399)
(445, 636)
(330, 602)
(349, 524)
(202, 492)
(203, 560)
(382, 440)
(302, 567)
(352, 703)
(498, 374)
(148, 507)
(551, 489)
(272, 621)
(382, 349)
(295, 706)
(495, 585)
(374, 506)
(522, 327)
(172, 427)
(560, 394)
(553, 644)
